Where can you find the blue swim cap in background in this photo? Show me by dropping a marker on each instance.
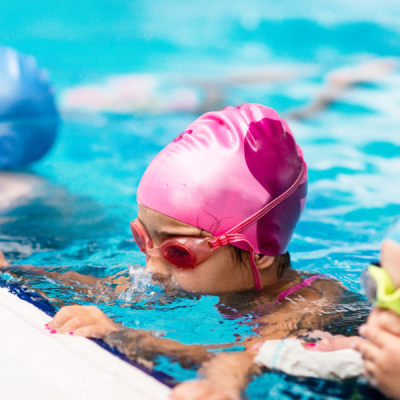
(28, 115)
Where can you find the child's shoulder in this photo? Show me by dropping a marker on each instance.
(320, 287)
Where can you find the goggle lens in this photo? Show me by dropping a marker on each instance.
(173, 250)
(180, 256)
(138, 239)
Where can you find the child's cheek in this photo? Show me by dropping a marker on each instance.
(192, 280)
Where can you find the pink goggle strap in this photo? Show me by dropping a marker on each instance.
(232, 235)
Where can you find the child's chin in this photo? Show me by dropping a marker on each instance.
(171, 286)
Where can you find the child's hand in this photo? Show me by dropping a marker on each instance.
(325, 341)
(199, 390)
(86, 321)
(381, 351)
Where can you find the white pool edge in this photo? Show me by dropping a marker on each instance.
(35, 364)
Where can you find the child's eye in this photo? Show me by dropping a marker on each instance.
(179, 256)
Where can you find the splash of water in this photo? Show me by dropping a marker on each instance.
(141, 285)
(143, 288)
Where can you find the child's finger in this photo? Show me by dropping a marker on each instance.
(389, 321)
(64, 315)
(75, 323)
(368, 350)
(375, 335)
(370, 372)
(338, 342)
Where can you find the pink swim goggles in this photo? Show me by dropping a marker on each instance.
(187, 252)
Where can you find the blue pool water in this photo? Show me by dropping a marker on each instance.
(84, 190)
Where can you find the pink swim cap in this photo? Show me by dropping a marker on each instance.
(226, 167)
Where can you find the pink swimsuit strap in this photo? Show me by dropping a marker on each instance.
(306, 282)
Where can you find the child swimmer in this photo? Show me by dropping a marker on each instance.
(217, 210)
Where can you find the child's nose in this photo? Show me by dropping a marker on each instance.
(158, 267)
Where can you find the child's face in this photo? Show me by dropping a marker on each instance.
(220, 273)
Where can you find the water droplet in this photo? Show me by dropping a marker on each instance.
(165, 186)
(183, 186)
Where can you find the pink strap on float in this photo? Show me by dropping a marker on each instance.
(232, 235)
(306, 282)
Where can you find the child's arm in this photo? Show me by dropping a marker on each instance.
(90, 321)
(225, 376)
(70, 275)
(307, 309)
(84, 284)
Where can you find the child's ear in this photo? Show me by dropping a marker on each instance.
(390, 260)
(263, 261)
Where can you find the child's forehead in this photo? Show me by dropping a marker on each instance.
(163, 225)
